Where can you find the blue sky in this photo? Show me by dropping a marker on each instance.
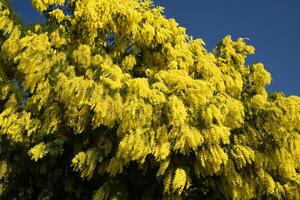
(273, 27)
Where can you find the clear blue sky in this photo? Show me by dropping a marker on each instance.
(273, 27)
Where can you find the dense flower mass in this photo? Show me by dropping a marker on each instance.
(109, 99)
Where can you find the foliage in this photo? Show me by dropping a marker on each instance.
(112, 100)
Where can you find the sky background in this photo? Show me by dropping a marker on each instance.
(273, 27)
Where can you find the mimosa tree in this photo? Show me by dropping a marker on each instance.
(109, 99)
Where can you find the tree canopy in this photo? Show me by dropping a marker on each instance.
(109, 99)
